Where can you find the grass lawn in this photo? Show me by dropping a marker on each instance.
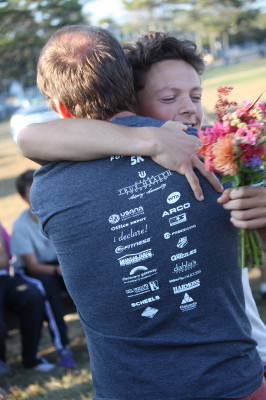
(248, 80)
(12, 163)
(61, 384)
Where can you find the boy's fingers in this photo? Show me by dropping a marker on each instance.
(194, 181)
(214, 181)
(194, 184)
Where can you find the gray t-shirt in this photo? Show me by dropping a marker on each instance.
(154, 275)
(27, 237)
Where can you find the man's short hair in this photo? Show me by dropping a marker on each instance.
(85, 68)
(23, 180)
(160, 46)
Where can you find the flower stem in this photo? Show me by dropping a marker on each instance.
(242, 248)
(250, 249)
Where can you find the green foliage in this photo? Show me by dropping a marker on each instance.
(25, 26)
(138, 4)
(56, 13)
(205, 21)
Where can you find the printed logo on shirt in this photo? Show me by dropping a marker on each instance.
(176, 209)
(185, 276)
(179, 256)
(137, 221)
(131, 234)
(173, 197)
(145, 288)
(186, 286)
(124, 215)
(185, 266)
(115, 157)
(149, 312)
(162, 187)
(142, 174)
(130, 259)
(179, 219)
(114, 219)
(182, 242)
(136, 160)
(145, 301)
(188, 303)
(121, 226)
(137, 269)
(115, 228)
(120, 249)
(139, 273)
(138, 189)
(133, 159)
(167, 235)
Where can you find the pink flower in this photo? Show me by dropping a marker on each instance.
(235, 147)
(224, 158)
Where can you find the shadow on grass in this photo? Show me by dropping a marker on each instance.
(59, 384)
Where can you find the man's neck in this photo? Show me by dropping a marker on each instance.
(121, 114)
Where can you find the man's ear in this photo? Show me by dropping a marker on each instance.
(61, 109)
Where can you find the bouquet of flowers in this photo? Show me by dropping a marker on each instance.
(235, 147)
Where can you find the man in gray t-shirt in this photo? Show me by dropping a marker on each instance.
(138, 253)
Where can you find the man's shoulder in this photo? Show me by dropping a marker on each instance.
(137, 121)
(57, 172)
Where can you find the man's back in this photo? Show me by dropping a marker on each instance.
(154, 276)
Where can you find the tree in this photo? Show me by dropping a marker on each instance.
(25, 25)
(222, 20)
(205, 21)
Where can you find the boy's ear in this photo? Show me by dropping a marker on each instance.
(61, 109)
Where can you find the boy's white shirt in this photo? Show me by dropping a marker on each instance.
(257, 325)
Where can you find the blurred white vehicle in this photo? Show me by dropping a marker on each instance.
(29, 115)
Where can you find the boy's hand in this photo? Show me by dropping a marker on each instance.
(177, 150)
(247, 205)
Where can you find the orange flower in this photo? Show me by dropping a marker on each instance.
(224, 159)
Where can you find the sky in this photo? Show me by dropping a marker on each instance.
(105, 8)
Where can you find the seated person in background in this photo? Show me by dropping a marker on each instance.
(24, 300)
(36, 259)
(3, 394)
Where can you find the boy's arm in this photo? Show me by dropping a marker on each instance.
(248, 208)
(87, 139)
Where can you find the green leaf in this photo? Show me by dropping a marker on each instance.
(236, 180)
(227, 178)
